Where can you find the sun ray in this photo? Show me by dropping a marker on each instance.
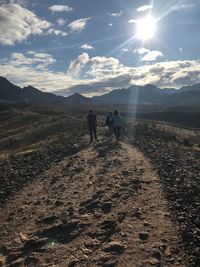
(146, 28)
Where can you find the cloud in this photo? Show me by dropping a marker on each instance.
(87, 47)
(101, 67)
(33, 59)
(94, 75)
(57, 32)
(144, 8)
(19, 2)
(132, 21)
(141, 50)
(79, 24)
(152, 56)
(61, 22)
(60, 8)
(117, 14)
(18, 23)
(76, 65)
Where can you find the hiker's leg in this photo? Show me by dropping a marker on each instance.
(110, 129)
(115, 131)
(95, 133)
(118, 132)
(91, 134)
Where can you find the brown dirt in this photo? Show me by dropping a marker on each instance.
(103, 206)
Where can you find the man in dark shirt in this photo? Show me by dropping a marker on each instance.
(92, 125)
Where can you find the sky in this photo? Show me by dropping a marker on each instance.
(93, 46)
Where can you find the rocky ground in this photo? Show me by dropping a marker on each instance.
(21, 168)
(177, 162)
(102, 206)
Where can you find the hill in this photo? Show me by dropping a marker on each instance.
(142, 95)
(12, 93)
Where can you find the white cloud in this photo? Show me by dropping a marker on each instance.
(124, 50)
(79, 24)
(76, 65)
(144, 8)
(141, 50)
(61, 22)
(18, 23)
(152, 55)
(95, 75)
(116, 14)
(132, 21)
(60, 8)
(37, 60)
(110, 24)
(19, 2)
(87, 47)
(57, 32)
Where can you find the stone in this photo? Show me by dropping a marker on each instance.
(114, 247)
(144, 236)
(106, 207)
(153, 262)
(156, 253)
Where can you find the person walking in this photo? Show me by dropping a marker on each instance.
(92, 125)
(117, 124)
(109, 123)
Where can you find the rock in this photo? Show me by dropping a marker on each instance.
(114, 247)
(136, 212)
(17, 263)
(107, 261)
(121, 216)
(146, 224)
(156, 253)
(47, 220)
(106, 207)
(144, 236)
(153, 262)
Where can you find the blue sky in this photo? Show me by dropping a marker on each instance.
(92, 46)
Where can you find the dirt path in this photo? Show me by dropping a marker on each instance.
(103, 206)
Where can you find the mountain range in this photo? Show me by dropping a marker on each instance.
(145, 95)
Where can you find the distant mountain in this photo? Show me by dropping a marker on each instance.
(77, 99)
(184, 98)
(33, 95)
(190, 88)
(12, 93)
(143, 95)
(9, 91)
(148, 94)
(151, 95)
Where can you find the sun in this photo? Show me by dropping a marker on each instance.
(146, 28)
